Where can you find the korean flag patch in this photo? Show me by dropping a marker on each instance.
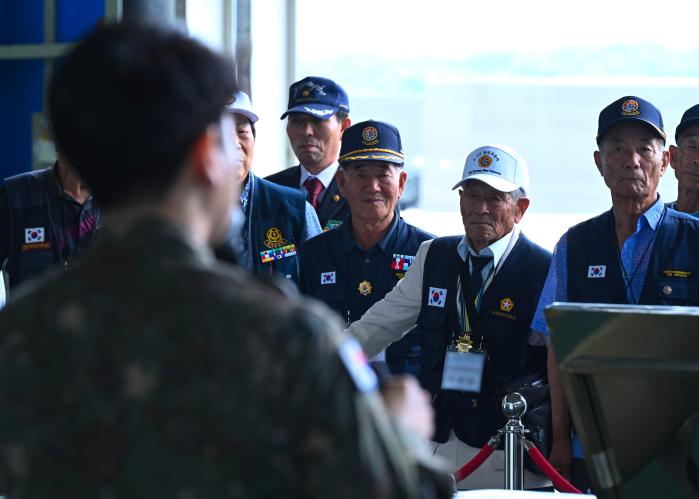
(437, 298)
(34, 235)
(327, 277)
(596, 271)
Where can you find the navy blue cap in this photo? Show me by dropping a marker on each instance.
(371, 141)
(629, 108)
(689, 118)
(317, 96)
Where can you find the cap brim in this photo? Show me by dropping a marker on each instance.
(614, 123)
(251, 116)
(319, 111)
(497, 183)
(382, 156)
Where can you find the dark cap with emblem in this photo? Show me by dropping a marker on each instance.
(689, 118)
(371, 141)
(630, 108)
(317, 96)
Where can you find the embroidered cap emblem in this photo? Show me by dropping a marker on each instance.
(485, 161)
(370, 136)
(630, 108)
(667, 290)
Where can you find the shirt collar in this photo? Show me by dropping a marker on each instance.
(652, 215)
(326, 176)
(496, 250)
(247, 193)
(347, 242)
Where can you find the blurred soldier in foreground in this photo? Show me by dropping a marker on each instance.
(149, 369)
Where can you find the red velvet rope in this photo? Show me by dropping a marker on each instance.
(558, 481)
(474, 463)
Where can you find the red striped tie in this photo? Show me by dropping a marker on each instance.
(314, 188)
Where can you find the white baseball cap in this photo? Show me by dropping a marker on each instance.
(501, 167)
(240, 103)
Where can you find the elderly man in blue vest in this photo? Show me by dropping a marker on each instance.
(473, 297)
(639, 252)
(276, 219)
(353, 267)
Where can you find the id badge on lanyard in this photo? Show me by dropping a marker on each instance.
(463, 371)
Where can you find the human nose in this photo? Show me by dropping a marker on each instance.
(480, 205)
(307, 128)
(633, 159)
(373, 184)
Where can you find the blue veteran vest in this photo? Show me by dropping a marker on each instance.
(673, 274)
(324, 257)
(506, 313)
(277, 221)
(34, 219)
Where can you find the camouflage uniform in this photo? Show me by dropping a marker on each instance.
(150, 370)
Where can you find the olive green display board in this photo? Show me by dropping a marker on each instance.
(631, 377)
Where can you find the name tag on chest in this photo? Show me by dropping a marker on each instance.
(463, 371)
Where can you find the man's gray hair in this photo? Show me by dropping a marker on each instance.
(518, 194)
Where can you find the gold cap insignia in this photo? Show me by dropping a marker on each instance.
(370, 136)
(630, 108)
(485, 161)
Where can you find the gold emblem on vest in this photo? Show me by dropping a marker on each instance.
(275, 239)
(364, 288)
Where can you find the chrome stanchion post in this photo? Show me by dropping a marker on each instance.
(513, 407)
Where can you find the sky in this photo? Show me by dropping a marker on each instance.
(446, 29)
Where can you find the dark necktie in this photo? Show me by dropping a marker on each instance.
(314, 188)
(478, 263)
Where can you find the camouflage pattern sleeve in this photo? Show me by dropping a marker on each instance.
(345, 442)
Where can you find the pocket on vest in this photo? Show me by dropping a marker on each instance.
(676, 292)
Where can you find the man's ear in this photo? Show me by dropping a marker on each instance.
(402, 179)
(346, 123)
(203, 164)
(598, 161)
(522, 205)
(341, 179)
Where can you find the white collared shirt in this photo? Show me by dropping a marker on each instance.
(326, 177)
(389, 319)
(497, 251)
